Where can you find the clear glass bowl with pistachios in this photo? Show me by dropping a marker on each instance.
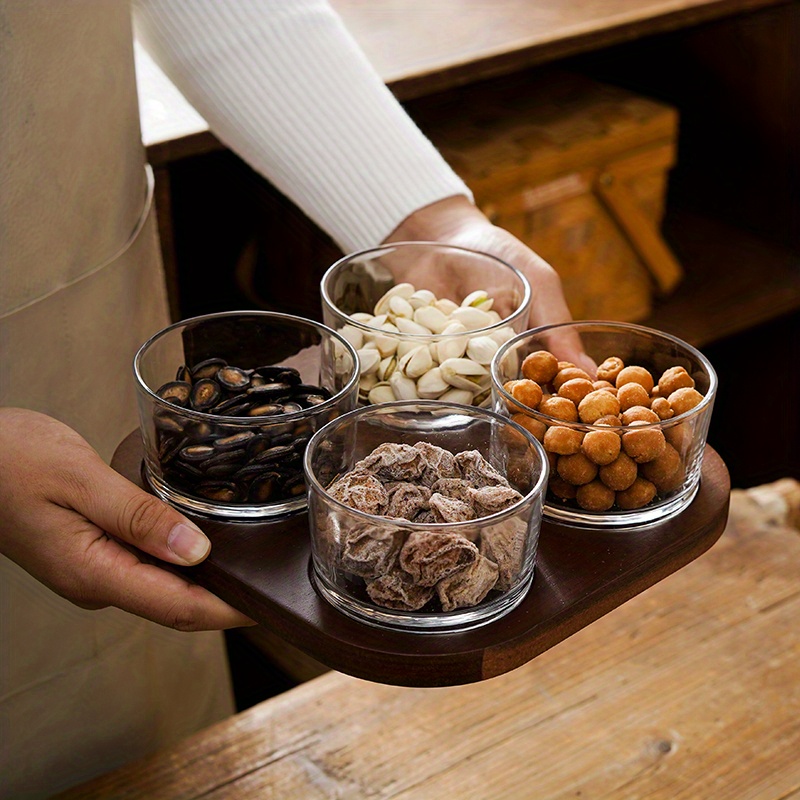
(227, 404)
(426, 319)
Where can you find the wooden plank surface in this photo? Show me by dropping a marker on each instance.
(263, 569)
(691, 691)
(404, 41)
(733, 280)
(402, 38)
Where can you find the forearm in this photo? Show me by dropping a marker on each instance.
(285, 86)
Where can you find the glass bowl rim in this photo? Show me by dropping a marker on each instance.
(248, 421)
(399, 405)
(510, 401)
(505, 322)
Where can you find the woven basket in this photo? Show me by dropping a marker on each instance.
(578, 171)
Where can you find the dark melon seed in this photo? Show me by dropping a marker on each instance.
(175, 392)
(208, 368)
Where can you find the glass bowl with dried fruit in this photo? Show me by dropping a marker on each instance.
(227, 404)
(425, 318)
(624, 432)
(424, 515)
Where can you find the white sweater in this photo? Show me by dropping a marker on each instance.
(285, 86)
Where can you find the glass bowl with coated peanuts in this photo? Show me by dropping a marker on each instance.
(624, 432)
(424, 515)
(426, 319)
(227, 404)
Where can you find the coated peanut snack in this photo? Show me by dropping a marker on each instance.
(453, 366)
(411, 568)
(628, 458)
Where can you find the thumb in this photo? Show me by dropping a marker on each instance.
(134, 516)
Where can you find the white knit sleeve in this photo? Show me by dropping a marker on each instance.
(285, 86)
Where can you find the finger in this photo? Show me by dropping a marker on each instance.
(115, 576)
(549, 307)
(127, 512)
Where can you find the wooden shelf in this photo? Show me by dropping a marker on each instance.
(733, 280)
(402, 39)
(264, 570)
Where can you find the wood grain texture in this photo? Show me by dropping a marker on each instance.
(264, 570)
(690, 691)
(733, 280)
(493, 37)
(485, 38)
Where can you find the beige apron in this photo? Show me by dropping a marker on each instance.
(80, 288)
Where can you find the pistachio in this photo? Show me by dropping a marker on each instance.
(462, 373)
(387, 344)
(478, 299)
(471, 318)
(454, 327)
(353, 335)
(401, 307)
(422, 297)
(457, 396)
(404, 290)
(417, 362)
(431, 385)
(481, 349)
(403, 387)
(387, 366)
(368, 359)
(453, 346)
(431, 318)
(406, 346)
(381, 393)
(412, 327)
(378, 320)
(367, 382)
(447, 307)
(502, 335)
(483, 398)
(339, 353)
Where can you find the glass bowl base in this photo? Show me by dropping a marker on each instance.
(238, 512)
(622, 519)
(462, 619)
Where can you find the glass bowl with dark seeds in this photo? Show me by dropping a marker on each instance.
(227, 403)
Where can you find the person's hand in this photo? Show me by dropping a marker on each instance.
(455, 220)
(63, 510)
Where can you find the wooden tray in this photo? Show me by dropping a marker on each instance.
(263, 569)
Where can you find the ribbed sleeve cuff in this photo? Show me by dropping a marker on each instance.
(285, 86)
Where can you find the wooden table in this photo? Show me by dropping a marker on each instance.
(690, 691)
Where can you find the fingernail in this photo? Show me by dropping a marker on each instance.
(188, 543)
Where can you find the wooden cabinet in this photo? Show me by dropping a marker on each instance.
(729, 68)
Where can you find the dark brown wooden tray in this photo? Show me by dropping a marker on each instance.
(263, 569)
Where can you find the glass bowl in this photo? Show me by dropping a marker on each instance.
(425, 318)
(228, 441)
(424, 561)
(625, 451)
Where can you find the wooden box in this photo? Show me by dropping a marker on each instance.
(578, 171)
